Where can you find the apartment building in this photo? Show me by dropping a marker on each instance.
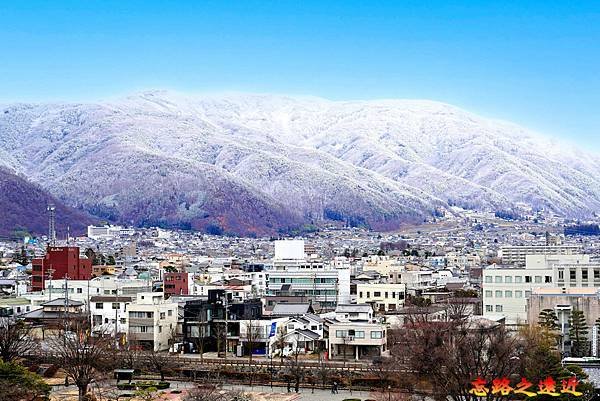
(151, 321)
(107, 311)
(384, 297)
(292, 275)
(506, 289)
(516, 255)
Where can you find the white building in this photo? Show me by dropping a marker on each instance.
(354, 335)
(383, 297)
(516, 255)
(108, 231)
(108, 310)
(151, 321)
(506, 289)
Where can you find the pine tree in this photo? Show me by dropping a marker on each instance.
(548, 320)
(578, 331)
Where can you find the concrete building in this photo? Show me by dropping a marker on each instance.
(383, 297)
(151, 321)
(58, 263)
(506, 289)
(563, 301)
(516, 255)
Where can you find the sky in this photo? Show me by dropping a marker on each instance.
(535, 63)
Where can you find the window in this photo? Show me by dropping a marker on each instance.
(498, 279)
(538, 279)
(162, 315)
(376, 334)
(498, 294)
(488, 279)
(518, 294)
(393, 295)
(508, 294)
(170, 312)
(360, 294)
(547, 279)
(596, 274)
(99, 305)
(386, 294)
(527, 294)
(528, 279)
(498, 308)
(488, 293)
(584, 275)
(123, 320)
(116, 305)
(518, 279)
(489, 308)
(377, 294)
(160, 329)
(340, 333)
(561, 274)
(368, 294)
(572, 275)
(508, 279)
(314, 327)
(80, 290)
(359, 334)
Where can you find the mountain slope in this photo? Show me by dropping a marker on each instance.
(253, 164)
(23, 207)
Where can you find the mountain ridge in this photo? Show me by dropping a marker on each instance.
(257, 164)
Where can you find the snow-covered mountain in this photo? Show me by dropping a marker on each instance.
(258, 163)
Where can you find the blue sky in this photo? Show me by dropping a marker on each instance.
(536, 63)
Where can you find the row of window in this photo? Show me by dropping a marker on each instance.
(357, 334)
(507, 294)
(292, 280)
(490, 308)
(518, 279)
(573, 274)
(377, 294)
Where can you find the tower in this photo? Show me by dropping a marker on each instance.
(51, 225)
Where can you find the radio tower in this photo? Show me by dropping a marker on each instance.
(51, 225)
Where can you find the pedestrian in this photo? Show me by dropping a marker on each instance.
(289, 387)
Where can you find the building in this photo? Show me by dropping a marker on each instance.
(151, 321)
(506, 289)
(58, 263)
(563, 301)
(204, 322)
(108, 231)
(108, 310)
(516, 255)
(175, 283)
(383, 297)
(354, 335)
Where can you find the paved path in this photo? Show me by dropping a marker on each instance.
(306, 393)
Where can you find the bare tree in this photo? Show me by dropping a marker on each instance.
(159, 362)
(450, 355)
(294, 368)
(220, 337)
(253, 334)
(15, 339)
(82, 356)
(279, 343)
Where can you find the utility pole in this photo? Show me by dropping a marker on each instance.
(51, 224)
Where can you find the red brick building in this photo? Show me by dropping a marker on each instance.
(60, 261)
(176, 283)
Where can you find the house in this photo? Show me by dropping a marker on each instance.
(151, 321)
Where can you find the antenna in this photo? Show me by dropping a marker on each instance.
(51, 224)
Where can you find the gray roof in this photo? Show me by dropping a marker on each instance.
(291, 309)
(61, 302)
(343, 308)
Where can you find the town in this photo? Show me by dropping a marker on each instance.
(337, 310)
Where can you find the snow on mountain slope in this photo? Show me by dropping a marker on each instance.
(253, 164)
